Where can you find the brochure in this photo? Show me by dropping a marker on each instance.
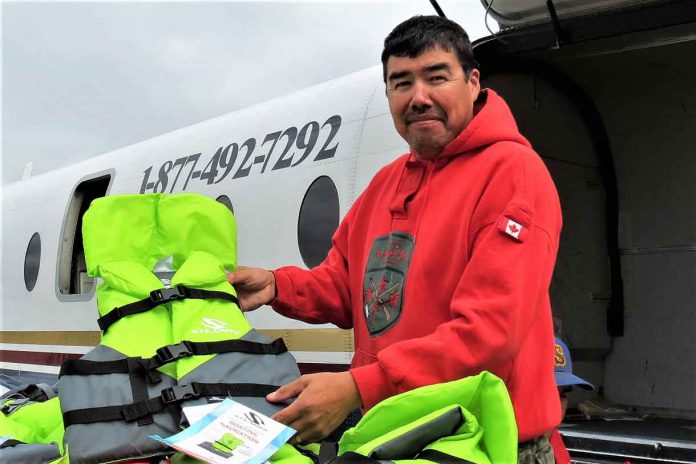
(229, 434)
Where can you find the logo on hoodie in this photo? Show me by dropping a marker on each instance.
(385, 278)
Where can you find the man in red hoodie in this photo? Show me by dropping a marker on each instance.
(442, 265)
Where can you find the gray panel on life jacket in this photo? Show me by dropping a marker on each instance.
(246, 368)
(114, 440)
(410, 443)
(24, 395)
(30, 453)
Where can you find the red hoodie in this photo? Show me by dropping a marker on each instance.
(442, 268)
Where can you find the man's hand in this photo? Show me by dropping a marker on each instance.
(323, 402)
(255, 287)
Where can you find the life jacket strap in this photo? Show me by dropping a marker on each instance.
(160, 297)
(138, 382)
(169, 396)
(133, 366)
(168, 354)
(171, 353)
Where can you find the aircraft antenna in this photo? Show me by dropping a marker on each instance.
(556, 23)
(437, 8)
(489, 5)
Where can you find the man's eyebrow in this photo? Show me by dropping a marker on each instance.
(428, 69)
(437, 67)
(398, 75)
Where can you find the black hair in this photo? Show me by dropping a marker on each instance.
(420, 33)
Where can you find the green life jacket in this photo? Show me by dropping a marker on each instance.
(172, 329)
(32, 425)
(466, 421)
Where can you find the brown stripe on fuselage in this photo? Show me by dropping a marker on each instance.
(34, 357)
(319, 340)
(51, 337)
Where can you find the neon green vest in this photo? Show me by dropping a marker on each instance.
(33, 425)
(470, 419)
(172, 332)
(466, 421)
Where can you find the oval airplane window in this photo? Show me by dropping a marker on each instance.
(32, 260)
(319, 216)
(225, 200)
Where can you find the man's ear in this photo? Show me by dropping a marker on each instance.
(475, 83)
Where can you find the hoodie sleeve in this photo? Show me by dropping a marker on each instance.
(497, 296)
(320, 295)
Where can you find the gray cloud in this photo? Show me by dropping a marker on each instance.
(80, 79)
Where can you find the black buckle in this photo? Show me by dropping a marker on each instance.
(179, 393)
(166, 295)
(171, 353)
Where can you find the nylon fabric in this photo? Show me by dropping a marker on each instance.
(488, 433)
(140, 334)
(204, 320)
(244, 367)
(126, 239)
(38, 427)
(157, 226)
(86, 441)
(415, 437)
(30, 453)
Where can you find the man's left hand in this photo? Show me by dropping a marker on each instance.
(323, 402)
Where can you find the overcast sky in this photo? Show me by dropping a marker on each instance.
(80, 79)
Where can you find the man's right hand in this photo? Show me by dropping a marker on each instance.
(255, 286)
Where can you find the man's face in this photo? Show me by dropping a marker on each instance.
(430, 99)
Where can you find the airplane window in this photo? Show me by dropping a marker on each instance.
(225, 200)
(32, 260)
(319, 215)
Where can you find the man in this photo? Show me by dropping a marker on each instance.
(565, 381)
(442, 265)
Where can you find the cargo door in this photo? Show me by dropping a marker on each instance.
(581, 285)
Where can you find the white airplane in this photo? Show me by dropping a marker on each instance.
(289, 168)
(604, 89)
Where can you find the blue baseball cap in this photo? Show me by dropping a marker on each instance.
(564, 368)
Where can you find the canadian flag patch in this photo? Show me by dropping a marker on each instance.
(512, 228)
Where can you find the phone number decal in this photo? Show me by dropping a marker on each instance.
(225, 160)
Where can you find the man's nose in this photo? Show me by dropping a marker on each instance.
(420, 98)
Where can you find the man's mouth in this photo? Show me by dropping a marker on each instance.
(422, 119)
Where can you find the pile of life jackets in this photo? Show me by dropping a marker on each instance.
(173, 335)
(31, 422)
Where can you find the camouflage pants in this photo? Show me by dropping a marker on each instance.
(537, 451)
